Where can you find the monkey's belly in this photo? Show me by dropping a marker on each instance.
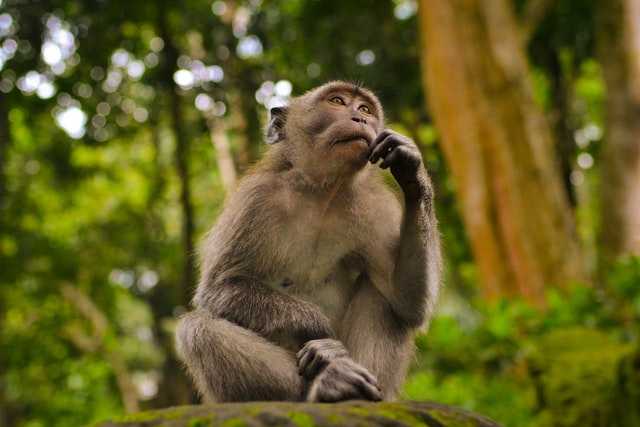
(331, 295)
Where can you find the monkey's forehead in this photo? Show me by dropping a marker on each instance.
(344, 86)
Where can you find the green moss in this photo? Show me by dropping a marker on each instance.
(301, 419)
(234, 422)
(390, 411)
(165, 414)
(402, 416)
(200, 422)
(358, 411)
(335, 419)
(139, 417)
(576, 371)
(452, 421)
(300, 415)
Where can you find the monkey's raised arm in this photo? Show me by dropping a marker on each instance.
(236, 260)
(415, 276)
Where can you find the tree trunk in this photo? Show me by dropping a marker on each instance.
(174, 387)
(246, 125)
(619, 49)
(499, 148)
(5, 143)
(220, 142)
(181, 155)
(182, 167)
(97, 342)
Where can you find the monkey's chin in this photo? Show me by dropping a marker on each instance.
(354, 152)
(358, 141)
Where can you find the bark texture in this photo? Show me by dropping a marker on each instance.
(619, 49)
(499, 147)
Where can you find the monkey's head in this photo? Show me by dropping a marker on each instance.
(329, 128)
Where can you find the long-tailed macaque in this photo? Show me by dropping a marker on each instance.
(316, 276)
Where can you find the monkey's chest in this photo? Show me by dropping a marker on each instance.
(314, 267)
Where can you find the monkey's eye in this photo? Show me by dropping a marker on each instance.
(337, 100)
(365, 109)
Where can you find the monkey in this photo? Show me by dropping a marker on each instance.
(317, 276)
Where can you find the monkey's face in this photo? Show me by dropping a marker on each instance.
(334, 124)
(342, 122)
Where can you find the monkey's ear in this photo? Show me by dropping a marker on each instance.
(275, 128)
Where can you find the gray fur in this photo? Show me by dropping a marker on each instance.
(315, 254)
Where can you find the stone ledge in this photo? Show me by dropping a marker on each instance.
(292, 414)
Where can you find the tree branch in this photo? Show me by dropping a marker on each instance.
(96, 342)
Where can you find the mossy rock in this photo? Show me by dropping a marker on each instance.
(577, 375)
(290, 414)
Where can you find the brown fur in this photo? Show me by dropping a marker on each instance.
(312, 245)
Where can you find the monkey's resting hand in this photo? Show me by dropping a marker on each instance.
(316, 354)
(403, 156)
(343, 379)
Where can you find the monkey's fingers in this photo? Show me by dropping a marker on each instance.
(368, 390)
(316, 354)
(384, 148)
(391, 158)
(314, 366)
(380, 137)
(310, 362)
(304, 359)
(368, 376)
(338, 392)
(304, 349)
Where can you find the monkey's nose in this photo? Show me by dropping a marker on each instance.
(359, 120)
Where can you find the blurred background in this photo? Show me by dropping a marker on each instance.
(123, 124)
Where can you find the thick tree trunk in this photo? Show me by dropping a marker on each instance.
(619, 49)
(181, 157)
(499, 148)
(174, 387)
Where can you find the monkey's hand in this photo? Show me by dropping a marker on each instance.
(343, 379)
(316, 354)
(403, 156)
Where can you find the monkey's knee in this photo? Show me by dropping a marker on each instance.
(230, 363)
(200, 345)
(193, 333)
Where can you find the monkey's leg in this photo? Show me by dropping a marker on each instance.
(376, 339)
(230, 363)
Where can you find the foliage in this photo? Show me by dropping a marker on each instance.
(572, 366)
(95, 203)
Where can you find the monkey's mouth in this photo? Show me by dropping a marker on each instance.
(356, 137)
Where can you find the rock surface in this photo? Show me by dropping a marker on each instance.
(289, 414)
